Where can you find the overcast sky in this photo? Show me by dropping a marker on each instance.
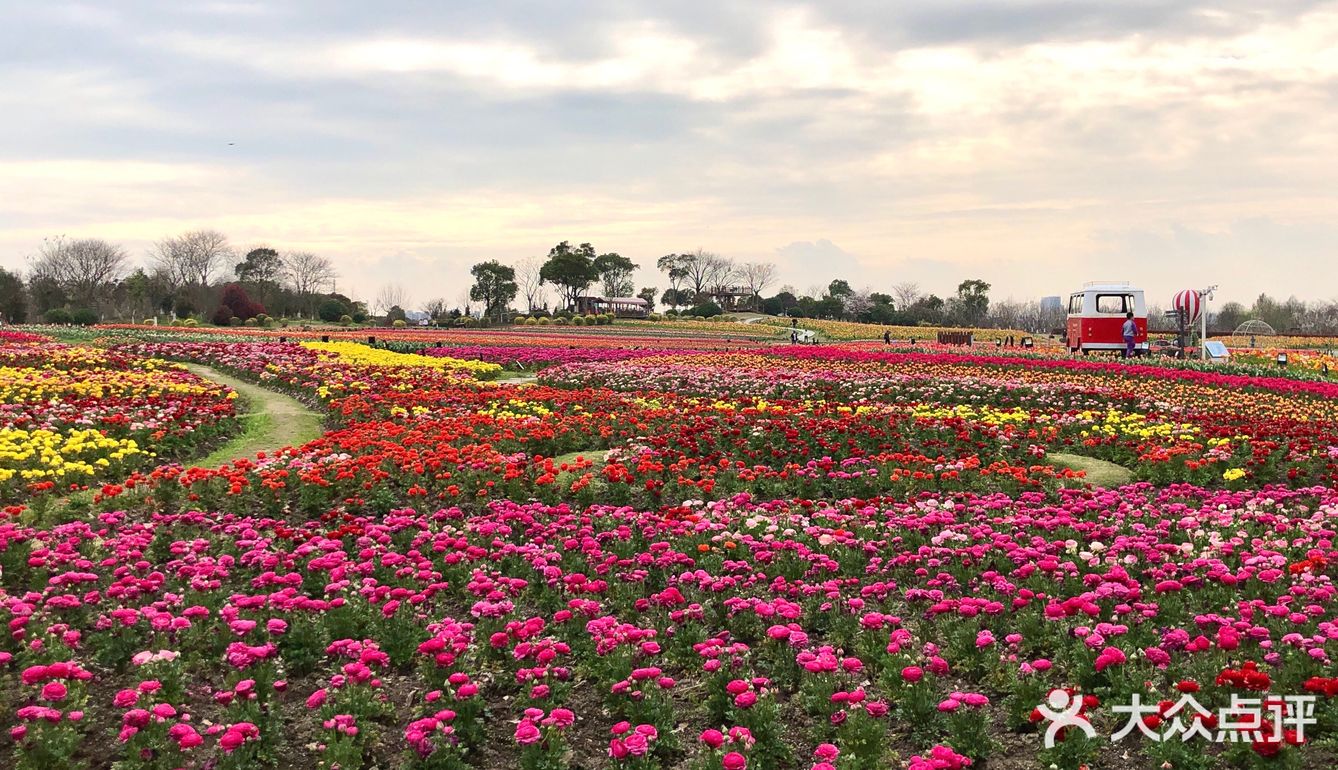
(1035, 144)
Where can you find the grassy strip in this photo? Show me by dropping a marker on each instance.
(1099, 473)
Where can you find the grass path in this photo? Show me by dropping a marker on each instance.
(1100, 473)
(269, 420)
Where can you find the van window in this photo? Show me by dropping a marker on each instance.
(1075, 304)
(1114, 303)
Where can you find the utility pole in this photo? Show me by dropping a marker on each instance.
(1204, 296)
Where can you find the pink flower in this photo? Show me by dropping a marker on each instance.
(826, 752)
(734, 761)
(54, 692)
(912, 674)
(637, 744)
(527, 733)
(713, 738)
(316, 699)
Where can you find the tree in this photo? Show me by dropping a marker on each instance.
(261, 265)
(758, 276)
(530, 283)
(704, 271)
(856, 303)
(648, 294)
(261, 269)
(192, 259)
(676, 298)
(308, 275)
(391, 296)
(570, 270)
(332, 310)
(839, 288)
(147, 293)
(673, 266)
(494, 286)
(13, 298)
(85, 270)
(615, 273)
(435, 308)
(907, 293)
(781, 304)
(974, 297)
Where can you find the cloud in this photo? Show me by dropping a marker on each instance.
(1031, 143)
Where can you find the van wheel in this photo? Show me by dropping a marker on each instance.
(1084, 351)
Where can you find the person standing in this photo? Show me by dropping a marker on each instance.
(1130, 332)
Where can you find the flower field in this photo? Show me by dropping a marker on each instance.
(825, 558)
(71, 416)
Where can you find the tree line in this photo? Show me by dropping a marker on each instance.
(195, 274)
(200, 274)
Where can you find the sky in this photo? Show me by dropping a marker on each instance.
(1035, 144)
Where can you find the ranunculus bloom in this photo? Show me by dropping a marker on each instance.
(54, 692)
(527, 733)
(734, 761)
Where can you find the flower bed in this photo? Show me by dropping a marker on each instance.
(808, 557)
(71, 416)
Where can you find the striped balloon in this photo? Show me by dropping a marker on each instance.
(1189, 302)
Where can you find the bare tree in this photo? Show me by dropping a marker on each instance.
(530, 282)
(85, 269)
(705, 271)
(758, 276)
(308, 275)
(435, 308)
(192, 259)
(392, 295)
(906, 293)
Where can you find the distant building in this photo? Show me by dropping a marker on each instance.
(1052, 305)
(622, 307)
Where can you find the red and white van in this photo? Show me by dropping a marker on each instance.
(1096, 318)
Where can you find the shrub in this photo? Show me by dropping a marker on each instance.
(706, 310)
(235, 321)
(190, 322)
(562, 321)
(236, 298)
(654, 317)
(57, 315)
(222, 315)
(149, 321)
(346, 319)
(578, 321)
(399, 323)
(359, 317)
(251, 322)
(532, 321)
(84, 316)
(545, 321)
